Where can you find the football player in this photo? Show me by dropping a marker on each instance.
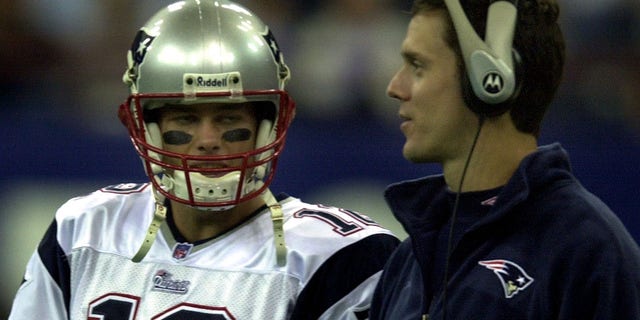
(204, 238)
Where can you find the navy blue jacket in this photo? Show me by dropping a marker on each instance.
(547, 249)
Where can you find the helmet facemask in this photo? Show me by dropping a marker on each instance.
(176, 177)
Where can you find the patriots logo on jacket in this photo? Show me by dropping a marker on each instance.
(513, 278)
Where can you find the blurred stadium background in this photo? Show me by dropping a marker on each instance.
(61, 64)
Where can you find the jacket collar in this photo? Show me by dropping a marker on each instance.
(417, 203)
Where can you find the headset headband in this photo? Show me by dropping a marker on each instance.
(489, 63)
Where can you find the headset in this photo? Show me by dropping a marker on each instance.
(494, 72)
(492, 81)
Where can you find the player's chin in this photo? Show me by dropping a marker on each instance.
(414, 153)
(409, 153)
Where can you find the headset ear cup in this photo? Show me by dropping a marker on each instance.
(482, 108)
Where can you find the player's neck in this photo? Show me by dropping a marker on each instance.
(497, 155)
(195, 224)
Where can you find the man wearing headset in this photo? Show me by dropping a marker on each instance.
(506, 232)
(204, 238)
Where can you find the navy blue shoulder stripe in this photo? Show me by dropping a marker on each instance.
(342, 273)
(55, 260)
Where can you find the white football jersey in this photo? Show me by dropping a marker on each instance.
(82, 268)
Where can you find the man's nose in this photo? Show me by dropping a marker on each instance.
(208, 138)
(395, 88)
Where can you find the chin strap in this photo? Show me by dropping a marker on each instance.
(159, 215)
(278, 230)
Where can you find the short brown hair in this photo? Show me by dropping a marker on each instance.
(539, 42)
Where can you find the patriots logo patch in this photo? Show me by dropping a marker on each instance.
(163, 281)
(513, 278)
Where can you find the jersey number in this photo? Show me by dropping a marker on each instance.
(341, 225)
(115, 306)
(125, 188)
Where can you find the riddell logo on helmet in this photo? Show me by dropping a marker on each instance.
(214, 82)
(211, 82)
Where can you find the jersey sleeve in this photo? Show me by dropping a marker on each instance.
(44, 292)
(343, 286)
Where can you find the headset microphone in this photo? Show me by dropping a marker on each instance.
(492, 63)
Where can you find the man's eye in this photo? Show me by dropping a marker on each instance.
(415, 65)
(185, 119)
(228, 118)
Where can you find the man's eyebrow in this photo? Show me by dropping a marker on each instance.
(410, 55)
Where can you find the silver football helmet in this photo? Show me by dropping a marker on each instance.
(194, 52)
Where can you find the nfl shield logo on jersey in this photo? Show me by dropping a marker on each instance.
(181, 250)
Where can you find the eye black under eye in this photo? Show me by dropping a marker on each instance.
(176, 137)
(237, 135)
